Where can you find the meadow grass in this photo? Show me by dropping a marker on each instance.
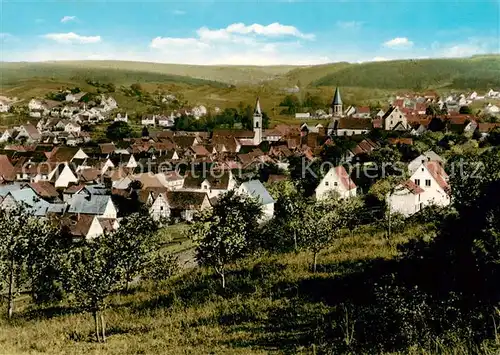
(272, 304)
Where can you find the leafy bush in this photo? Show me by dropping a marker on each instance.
(161, 267)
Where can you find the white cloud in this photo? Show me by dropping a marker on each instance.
(72, 38)
(66, 19)
(273, 30)
(237, 44)
(349, 25)
(179, 12)
(179, 43)
(379, 59)
(399, 42)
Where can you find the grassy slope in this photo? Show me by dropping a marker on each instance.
(11, 73)
(273, 304)
(480, 72)
(226, 74)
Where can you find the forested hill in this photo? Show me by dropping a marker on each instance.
(480, 72)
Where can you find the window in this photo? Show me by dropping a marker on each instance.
(327, 183)
(205, 187)
(427, 182)
(257, 124)
(161, 208)
(417, 182)
(400, 116)
(335, 184)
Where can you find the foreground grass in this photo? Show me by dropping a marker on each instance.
(273, 304)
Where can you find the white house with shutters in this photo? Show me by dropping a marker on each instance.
(336, 181)
(431, 177)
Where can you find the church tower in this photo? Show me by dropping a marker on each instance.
(257, 124)
(336, 107)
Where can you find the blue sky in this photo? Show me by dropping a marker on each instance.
(247, 32)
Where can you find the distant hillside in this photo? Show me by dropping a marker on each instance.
(11, 74)
(481, 72)
(123, 71)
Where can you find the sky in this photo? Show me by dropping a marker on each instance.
(247, 32)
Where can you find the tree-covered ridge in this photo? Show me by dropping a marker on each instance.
(419, 74)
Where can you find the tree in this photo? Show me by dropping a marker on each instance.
(292, 103)
(145, 131)
(136, 88)
(313, 101)
(94, 273)
(45, 251)
(13, 252)
(224, 232)
(322, 223)
(118, 131)
(465, 110)
(132, 244)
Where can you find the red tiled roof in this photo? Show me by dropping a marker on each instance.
(438, 173)
(6, 168)
(486, 127)
(44, 189)
(363, 109)
(377, 123)
(412, 187)
(344, 177)
(407, 141)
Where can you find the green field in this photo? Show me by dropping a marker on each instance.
(259, 313)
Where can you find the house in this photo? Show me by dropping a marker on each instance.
(90, 226)
(362, 112)
(432, 178)
(255, 189)
(8, 134)
(213, 183)
(336, 181)
(4, 106)
(95, 205)
(406, 199)
(72, 127)
(75, 97)
(121, 117)
(23, 197)
(7, 172)
(166, 121)
(303, 116)
(199, 111)
(108, 104)
(45, 190)
(380, 114)
(63, 176)
(395, 120)
(492, 93)
(349, 126)
(171, 180)
(365, 147)
(29, 133)
(423, 158)
(492, 109)
(156, 200)
(148, 120)
(184, 204)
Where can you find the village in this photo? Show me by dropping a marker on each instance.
(51, 166)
